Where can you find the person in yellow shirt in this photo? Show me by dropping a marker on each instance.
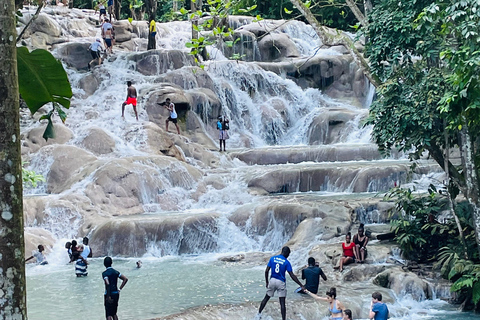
(152, 31)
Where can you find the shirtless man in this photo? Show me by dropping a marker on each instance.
(173, 114)
(131, 99)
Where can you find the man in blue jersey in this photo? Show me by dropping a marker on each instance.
(279, 265)
(112, 292)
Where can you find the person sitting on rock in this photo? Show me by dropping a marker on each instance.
(361, 241)
(39, 256)
(348, 252)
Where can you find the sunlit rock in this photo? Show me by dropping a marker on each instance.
(34, 140)
(98, 141)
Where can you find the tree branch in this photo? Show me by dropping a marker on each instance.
(40, 6)
(356, 12)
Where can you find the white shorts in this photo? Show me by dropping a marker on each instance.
(277, 285)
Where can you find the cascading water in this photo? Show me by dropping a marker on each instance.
(205, 230)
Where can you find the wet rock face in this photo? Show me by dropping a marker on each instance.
(157, 62)
(34, 140)
(277, 46)
(171, 235)
(98, 142)
(402, 283)
(75, 55)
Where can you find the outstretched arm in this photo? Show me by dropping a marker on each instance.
(313, 295)
(294, 278)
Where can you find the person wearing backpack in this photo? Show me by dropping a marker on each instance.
(223, 126)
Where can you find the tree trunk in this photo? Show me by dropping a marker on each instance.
(368, 7)
(332, 37)
(449, 194)
(117, 8)
(357, 12)
(12, 252)
(471, 177)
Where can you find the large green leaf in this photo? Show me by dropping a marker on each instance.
(42, 79)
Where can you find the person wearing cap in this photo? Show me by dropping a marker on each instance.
(96, 49)
(131, 99)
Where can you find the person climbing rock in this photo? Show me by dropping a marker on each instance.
(131, 99)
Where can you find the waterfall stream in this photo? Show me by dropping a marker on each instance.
(300, 170)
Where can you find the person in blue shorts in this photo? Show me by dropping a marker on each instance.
(112, 292)
(378, 309)
(277, 283)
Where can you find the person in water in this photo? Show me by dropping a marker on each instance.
(131, 99)
(335, 306)
(361, 241)
(277, 283)
(348, 252)
(173, 115)
(347, 314)
(312, 276)
(112, 292)
(38, 255)
(80, 262)
(378, 309)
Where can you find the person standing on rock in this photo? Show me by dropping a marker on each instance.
(152, 32)
(312, 276)
(277, 283)
(223, 125)
(103, 11)
(110, 8)
(105, 26)
(96, 51)
(173, 115)
(378, 309)
(112, 293)
(131, 99)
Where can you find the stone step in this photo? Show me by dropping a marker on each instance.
(351, 177)
(296, 154)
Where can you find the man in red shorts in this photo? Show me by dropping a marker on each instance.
(131, 99)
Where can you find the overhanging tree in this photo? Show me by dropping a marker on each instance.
(42, 80)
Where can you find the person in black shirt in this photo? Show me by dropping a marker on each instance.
(112, 292)
(312, 276)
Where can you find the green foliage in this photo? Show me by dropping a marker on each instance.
(30, 177)
(417, 225)
(42, 80)
(426, 52)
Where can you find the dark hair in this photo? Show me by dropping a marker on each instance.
(74, 243)
(285, 251)
(168, 99)
(129, 83)
(377, 295)
(107, 262)
(85, 241)
(348, 313)
(332, 292)
(361, 227)
(311, 261)
(68, 245)
(41, 246)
